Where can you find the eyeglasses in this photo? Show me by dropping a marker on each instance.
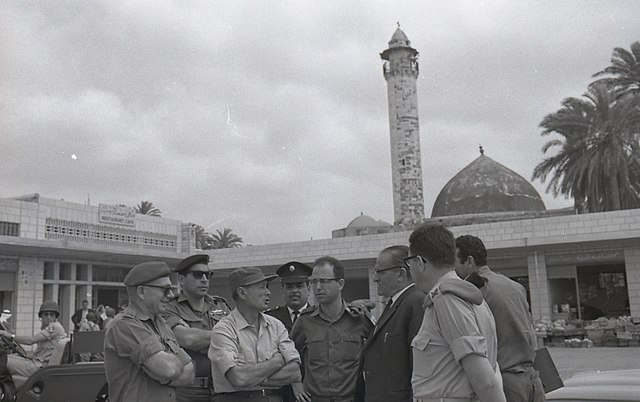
(322, 281)
(168, 290)
(411, 257)
(377, 271)
(199, 274)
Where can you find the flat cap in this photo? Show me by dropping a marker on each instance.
(248, 276)
(190, 261)
(146, 272)
(293, 272)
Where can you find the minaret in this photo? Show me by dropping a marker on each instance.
(401, 72)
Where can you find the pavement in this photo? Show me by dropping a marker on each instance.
(570, 361)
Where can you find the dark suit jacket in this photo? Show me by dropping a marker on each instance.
(387, 357)
(77, 317)
(282, 313)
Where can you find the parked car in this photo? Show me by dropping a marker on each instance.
(600, 386)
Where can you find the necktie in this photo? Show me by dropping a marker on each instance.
(387, 306)
(295, 315)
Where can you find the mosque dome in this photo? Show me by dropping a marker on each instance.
(365, 221)
(486, 186)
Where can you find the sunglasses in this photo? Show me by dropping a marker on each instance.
(199, 274)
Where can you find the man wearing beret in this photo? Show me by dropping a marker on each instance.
(191, 315)
(294, 277)
(142, 358)
(251, 353)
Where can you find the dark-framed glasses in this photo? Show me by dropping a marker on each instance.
(378, 270)
(199, 274)
(407, 260)
(168, 290)
(321, 281)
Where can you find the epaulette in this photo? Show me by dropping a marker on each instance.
(222, 300)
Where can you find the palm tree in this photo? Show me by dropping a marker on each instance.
(598, 163)
(624, 71)
(204, 240)
(147, 208)
(226, 239)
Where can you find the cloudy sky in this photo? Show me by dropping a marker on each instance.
(271, 117)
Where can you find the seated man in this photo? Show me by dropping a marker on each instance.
(51, 332)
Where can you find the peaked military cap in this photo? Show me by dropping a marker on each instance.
(146, 272)
(294, 271)
(191, 261)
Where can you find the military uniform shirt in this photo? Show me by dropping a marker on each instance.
(235, 342)
(53, 333)
(133, 337)
(452, 329)
(179, 312)
(331, 351)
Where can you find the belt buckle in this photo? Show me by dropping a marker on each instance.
(263, 392)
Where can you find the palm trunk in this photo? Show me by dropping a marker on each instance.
(614, 194)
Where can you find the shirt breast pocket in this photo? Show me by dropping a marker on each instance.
(349, 347)
(423, 364)
(316, 347)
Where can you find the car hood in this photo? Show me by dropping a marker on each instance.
(615, 385)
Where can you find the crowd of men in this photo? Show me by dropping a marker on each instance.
(451, 331)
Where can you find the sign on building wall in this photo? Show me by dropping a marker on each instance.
(116, 215)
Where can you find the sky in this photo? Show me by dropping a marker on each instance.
(271, 118)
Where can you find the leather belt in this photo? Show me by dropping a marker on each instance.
(320, 398)
(201, 382)
(447, 400)
(251, 394)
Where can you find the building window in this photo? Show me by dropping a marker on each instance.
(9, 229)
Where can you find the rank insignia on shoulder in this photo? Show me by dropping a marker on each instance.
(217, 313)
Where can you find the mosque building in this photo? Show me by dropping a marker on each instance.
(572, 265)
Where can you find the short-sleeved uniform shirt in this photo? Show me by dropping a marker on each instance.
(452, 329)
(235, 342)
(53, 333)
(133, 337)
(331, 351)
(180, 312)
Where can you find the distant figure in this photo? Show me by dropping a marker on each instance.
(110, 313)
(51, 332)
(80, 314)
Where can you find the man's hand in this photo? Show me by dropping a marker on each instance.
(278, 356)
(300, 394)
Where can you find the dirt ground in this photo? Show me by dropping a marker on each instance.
(574, 360)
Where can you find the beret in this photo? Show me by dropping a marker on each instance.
(293, 272)
(146, 272)
(190, 261)
(248, 276)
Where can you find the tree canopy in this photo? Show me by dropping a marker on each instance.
(147, 208)
(598, 157)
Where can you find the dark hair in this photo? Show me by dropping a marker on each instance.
(472, 246)
(399, 252)
(338, 268)
(110, 311)
(435, 243)
(91, 316)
